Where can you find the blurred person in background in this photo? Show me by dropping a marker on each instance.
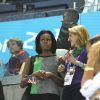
(11, 78)
(18, 56)
(70, 19)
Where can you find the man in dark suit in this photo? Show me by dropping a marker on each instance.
(70, 19)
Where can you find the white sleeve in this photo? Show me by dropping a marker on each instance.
(90, 86)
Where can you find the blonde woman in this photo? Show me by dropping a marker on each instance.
(90, 81)
(74, 63)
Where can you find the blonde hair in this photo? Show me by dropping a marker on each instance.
(81, 32)
(18, 41)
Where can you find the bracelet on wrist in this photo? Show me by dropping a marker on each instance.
(88, 69)
(80, 64)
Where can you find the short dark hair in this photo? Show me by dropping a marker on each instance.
(37, 41)
(71, 15)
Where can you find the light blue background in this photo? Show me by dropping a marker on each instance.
(27, 30)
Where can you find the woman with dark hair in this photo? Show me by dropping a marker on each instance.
(37, 42)
(44, 76)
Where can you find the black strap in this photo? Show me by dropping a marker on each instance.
(32, 60)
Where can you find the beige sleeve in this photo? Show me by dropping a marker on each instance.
(25, 68)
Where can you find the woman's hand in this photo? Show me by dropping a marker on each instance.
(39, 74)
(61, 68)
(24, 82)
(42, 74)
(49, 74)
(32, 80)
(71, 58)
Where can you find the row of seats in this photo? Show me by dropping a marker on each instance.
(7, 7)
(21, 9)
(24, 4)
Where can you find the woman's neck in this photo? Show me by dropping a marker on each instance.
(77, 51)
(46, 53)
